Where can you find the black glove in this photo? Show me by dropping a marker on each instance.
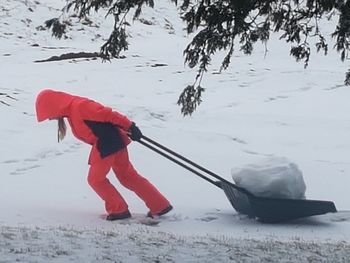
(134, 132)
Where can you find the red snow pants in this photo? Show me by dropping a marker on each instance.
(129, 178)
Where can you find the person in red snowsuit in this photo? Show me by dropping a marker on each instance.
(108, 132)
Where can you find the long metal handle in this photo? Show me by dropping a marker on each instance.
(180, 163)
(186, 160)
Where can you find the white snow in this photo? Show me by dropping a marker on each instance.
(262, 106)
(275, 177)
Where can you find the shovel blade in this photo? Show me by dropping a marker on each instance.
(274, 210)
(238, 198)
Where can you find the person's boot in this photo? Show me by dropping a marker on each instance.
(163, 212)
(118, 216)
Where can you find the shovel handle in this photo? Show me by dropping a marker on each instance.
(185, 159)
(216, 183)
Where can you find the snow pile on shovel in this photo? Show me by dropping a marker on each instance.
(273, 177)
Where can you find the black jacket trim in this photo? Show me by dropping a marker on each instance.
(109, 138)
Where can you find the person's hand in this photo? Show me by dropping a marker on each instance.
(134, 132)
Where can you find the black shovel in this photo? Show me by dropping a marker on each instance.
(269, 210)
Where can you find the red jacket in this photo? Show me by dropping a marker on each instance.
(90, 121)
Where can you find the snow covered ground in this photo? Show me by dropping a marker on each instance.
(260, 107)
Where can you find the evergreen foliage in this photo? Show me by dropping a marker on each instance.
(228, 25)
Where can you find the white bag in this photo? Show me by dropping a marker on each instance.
(274, 177)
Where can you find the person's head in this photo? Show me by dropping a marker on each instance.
(51, 104)
(54, 105)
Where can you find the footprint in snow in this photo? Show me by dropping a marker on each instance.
(10, 161)
(276, 98)
(24, 169)
(32, 162)
(207, 218)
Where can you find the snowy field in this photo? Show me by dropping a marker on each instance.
(262, 106)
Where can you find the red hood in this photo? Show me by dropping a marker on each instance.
(52, 104)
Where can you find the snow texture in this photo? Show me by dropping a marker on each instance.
(264, 105)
